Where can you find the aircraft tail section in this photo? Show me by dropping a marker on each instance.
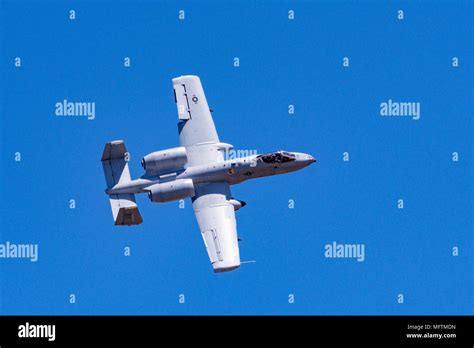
(115, 164)
(125, 210)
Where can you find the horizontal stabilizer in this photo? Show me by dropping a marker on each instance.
(115, 164)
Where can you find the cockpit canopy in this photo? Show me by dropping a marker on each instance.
(277, 157)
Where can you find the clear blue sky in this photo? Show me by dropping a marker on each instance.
(407, 251)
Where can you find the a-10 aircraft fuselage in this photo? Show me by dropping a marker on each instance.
(232, 171)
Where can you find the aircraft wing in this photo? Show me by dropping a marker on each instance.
(197, 132)
(216, 219)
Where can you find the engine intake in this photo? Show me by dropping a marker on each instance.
(165, 161)
(171, 191)
(237, 204)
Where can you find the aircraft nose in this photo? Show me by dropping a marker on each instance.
(305, 158)
(310, 159)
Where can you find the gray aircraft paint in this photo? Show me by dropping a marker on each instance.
(196, 170)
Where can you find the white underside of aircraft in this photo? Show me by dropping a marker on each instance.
(197, 170)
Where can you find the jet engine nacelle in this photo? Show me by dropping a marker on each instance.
(171, 191)
(165, 161)
(237, 204)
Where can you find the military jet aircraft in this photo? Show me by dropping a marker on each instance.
(197, 170)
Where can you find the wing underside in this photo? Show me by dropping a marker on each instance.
(216, 219)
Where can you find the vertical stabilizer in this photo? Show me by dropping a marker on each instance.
(115, 163)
